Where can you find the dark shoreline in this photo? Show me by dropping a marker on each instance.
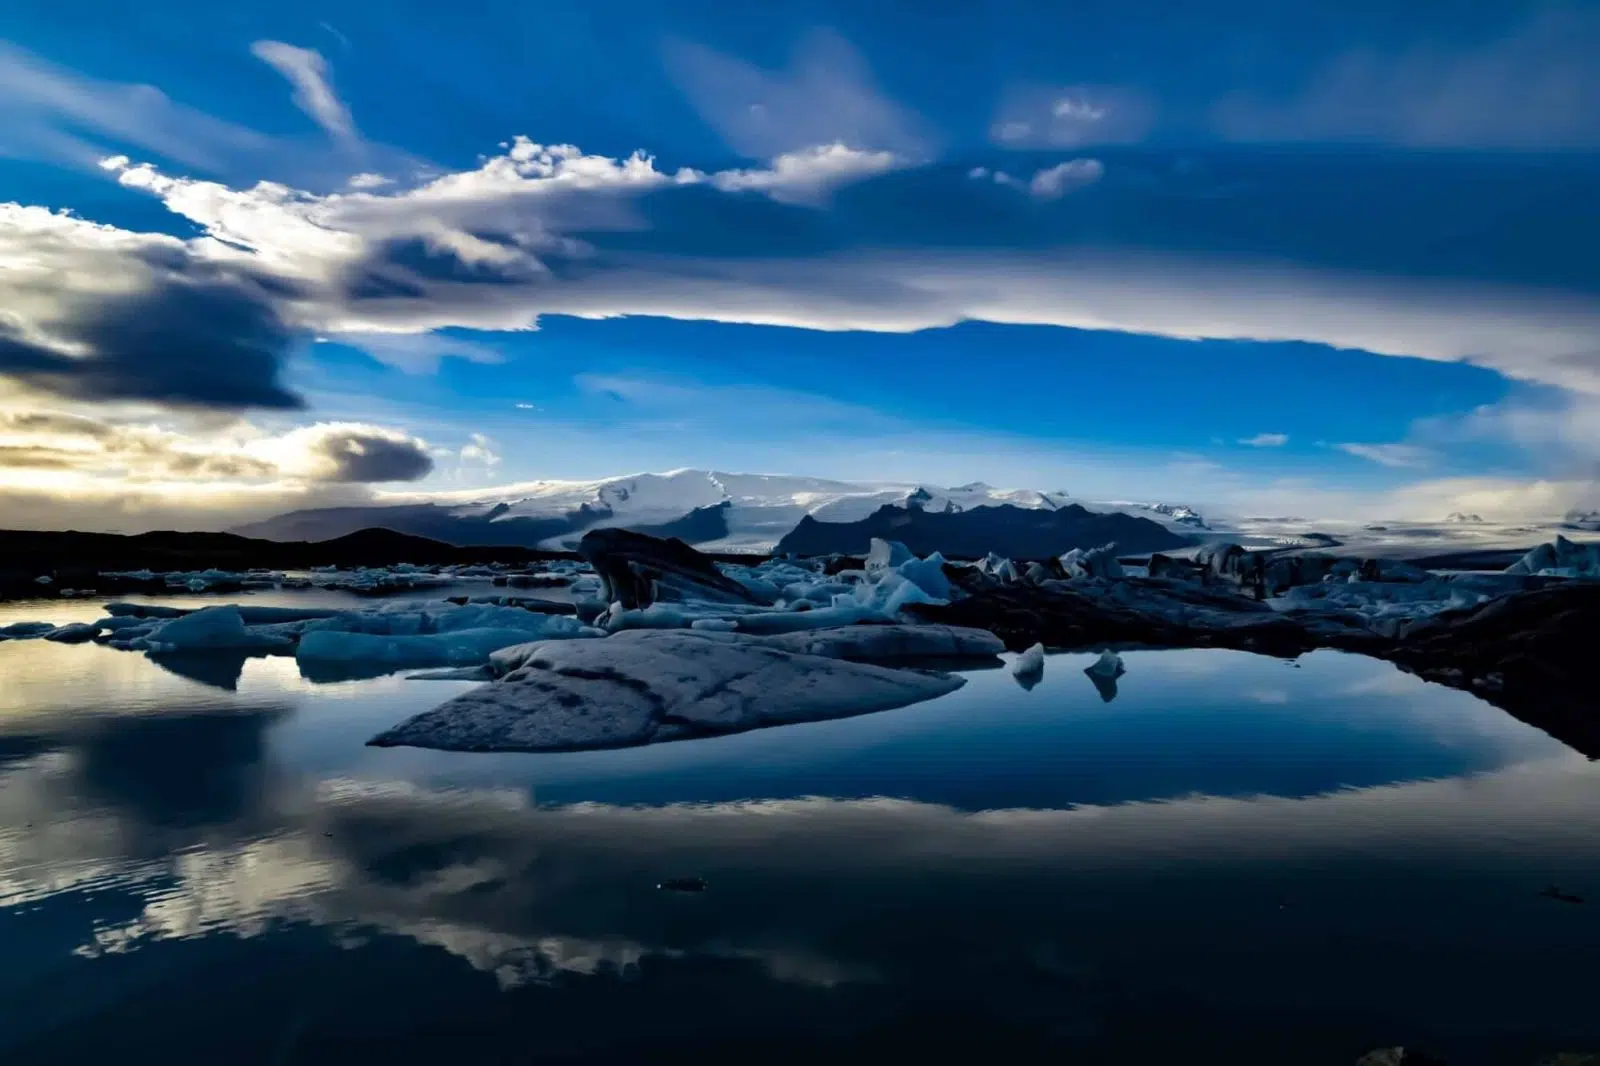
(84, 561)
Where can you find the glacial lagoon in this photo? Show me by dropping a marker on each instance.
(1235, 856)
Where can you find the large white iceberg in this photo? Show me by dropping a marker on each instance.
(642, 686)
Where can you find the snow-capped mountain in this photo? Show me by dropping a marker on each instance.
(714, 510)
(1178, 513)
(1586, 520)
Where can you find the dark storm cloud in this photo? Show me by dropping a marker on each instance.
(190, 342)
(364, 454)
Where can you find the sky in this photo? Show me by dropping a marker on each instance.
(1332, 259)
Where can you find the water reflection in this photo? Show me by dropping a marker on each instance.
(195, 865)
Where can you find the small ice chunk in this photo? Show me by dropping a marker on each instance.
(714, 625)
(1109, 664)
(1030, 663)
(1103, 672)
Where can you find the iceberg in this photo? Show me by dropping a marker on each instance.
(1103, 673)
(1560, 558)
(210, 627)
(886, 554)
(928, 575)
(1092, 562)
(643, 686)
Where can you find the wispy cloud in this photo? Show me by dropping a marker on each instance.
(1072, 116)
(826, 95)
(1537, 88)
(1266, 440)
(308, 72)
(1393, 455)
(50, 112)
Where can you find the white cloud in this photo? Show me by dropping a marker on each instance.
(366, 180)
(483, 240)
(1266, 440)
(308, 72)
(1052, 183)
(480, 449)
(806, 177)
(1393, 454)
(532, 199)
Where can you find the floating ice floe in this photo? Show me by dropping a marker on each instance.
(23, 630)
(72, 633)
(462, 647)
(460, 636)
(644, 686)
(211, 628)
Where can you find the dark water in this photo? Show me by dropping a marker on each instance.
(1237, 860)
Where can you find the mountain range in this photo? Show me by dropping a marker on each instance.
(722, 512)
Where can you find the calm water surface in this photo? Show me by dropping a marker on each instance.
(1237, 860)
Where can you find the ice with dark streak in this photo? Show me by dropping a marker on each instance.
(644, 686)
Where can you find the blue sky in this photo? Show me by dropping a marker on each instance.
(1330, 258)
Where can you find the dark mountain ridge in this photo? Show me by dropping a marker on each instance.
(1015, 532)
